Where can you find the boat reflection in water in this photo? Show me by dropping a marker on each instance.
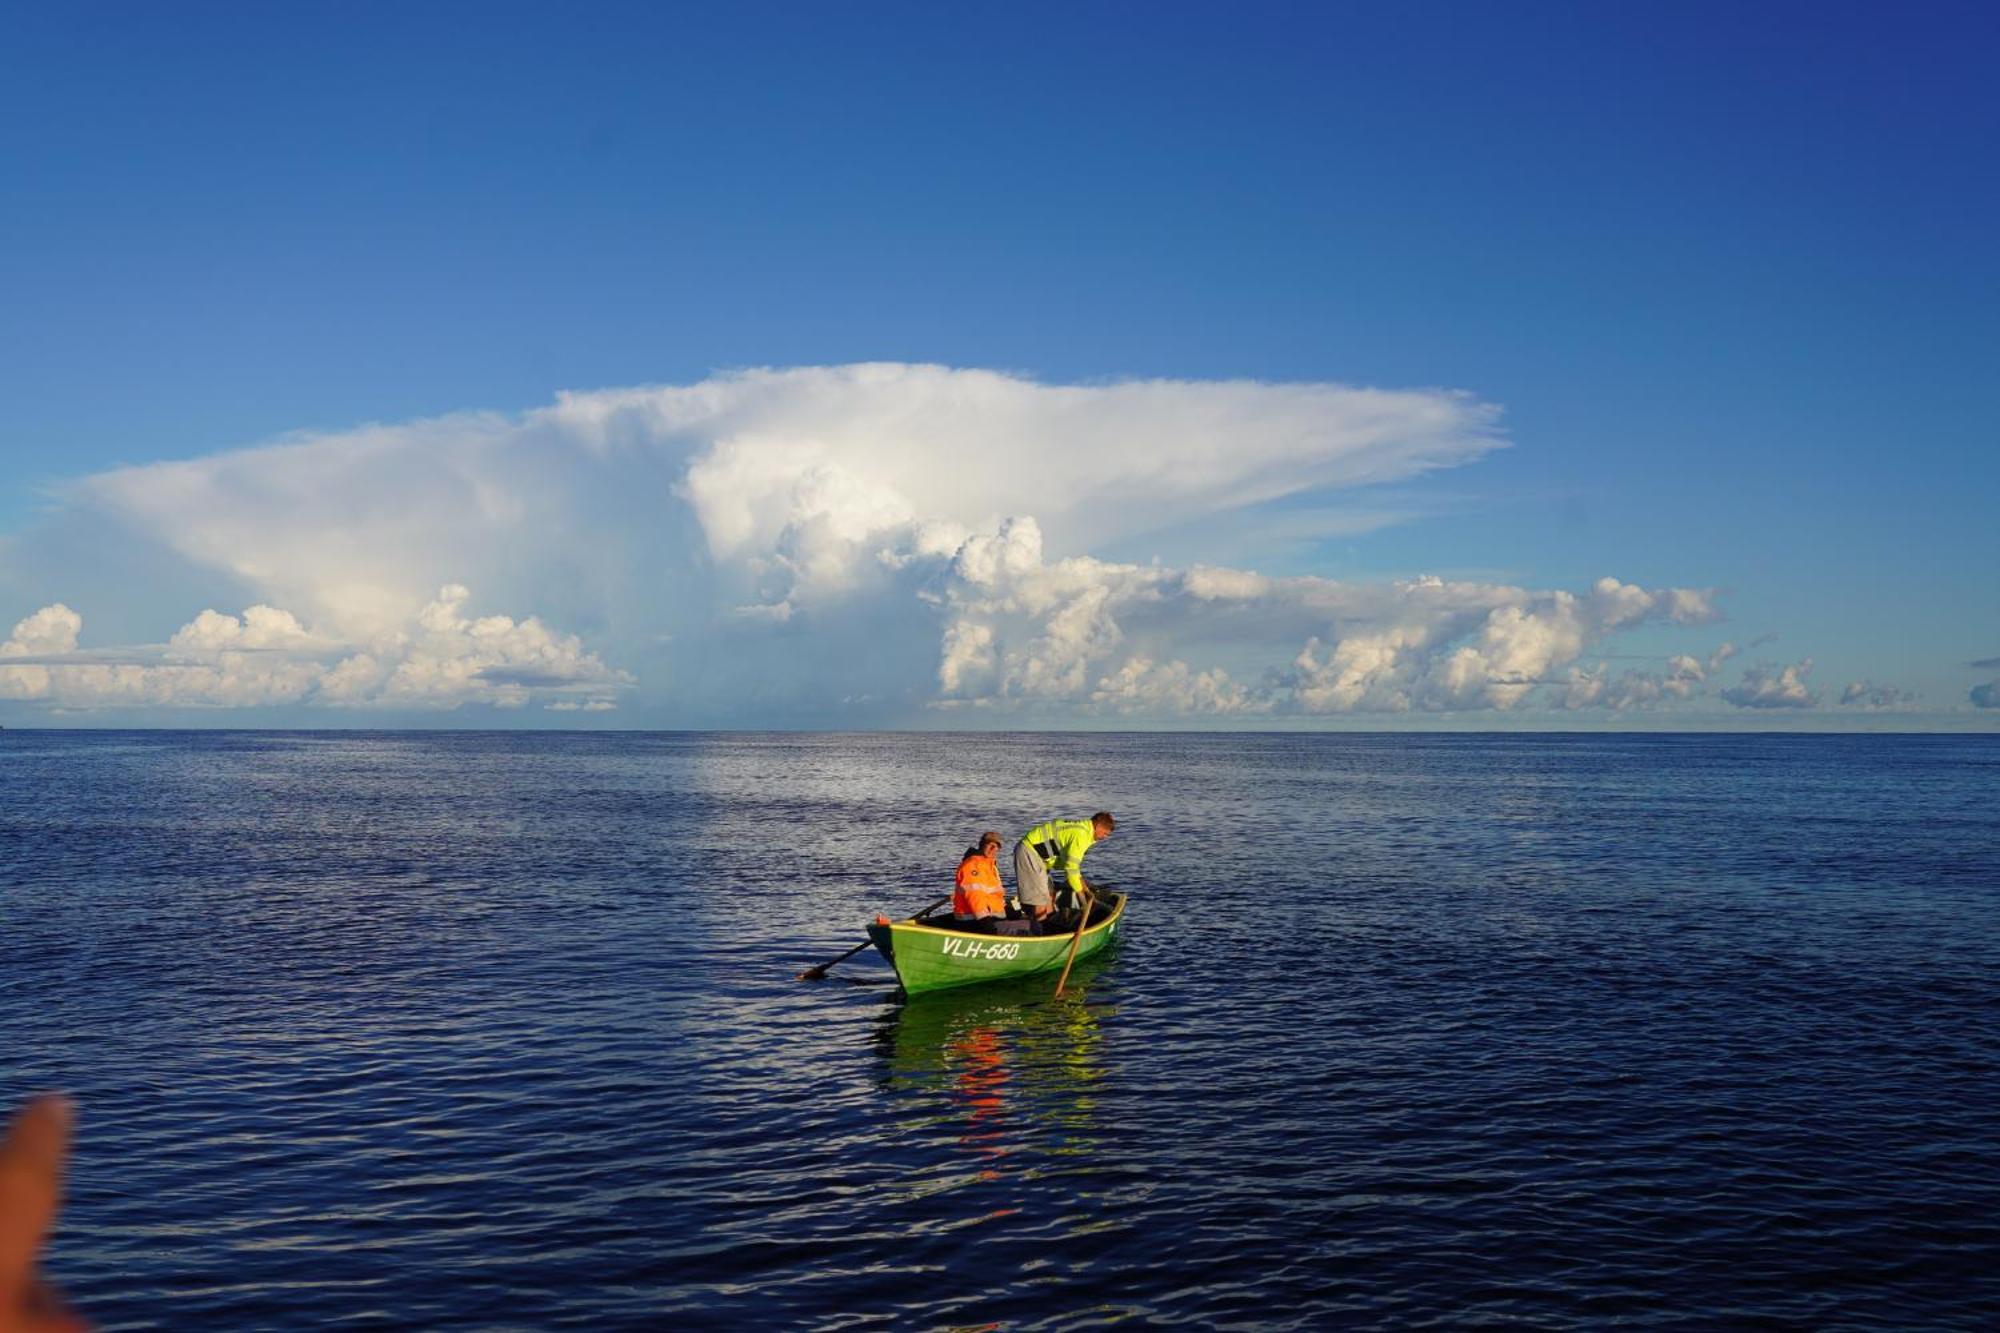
(1000, 1070)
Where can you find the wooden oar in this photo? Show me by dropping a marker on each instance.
(817, 973)
(1082, 919)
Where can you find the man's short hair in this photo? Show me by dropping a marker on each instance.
(1104, 817)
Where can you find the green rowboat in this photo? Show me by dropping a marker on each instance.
(929, 956)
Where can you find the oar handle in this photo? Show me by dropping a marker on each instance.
(815, 973)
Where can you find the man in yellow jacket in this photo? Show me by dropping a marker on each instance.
(1056, 847)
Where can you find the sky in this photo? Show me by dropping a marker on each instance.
(1085, 365)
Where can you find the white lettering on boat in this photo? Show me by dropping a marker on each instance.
(963, 948)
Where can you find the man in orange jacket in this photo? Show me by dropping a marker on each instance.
(979, 902)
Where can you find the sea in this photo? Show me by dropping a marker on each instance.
(503, 1030)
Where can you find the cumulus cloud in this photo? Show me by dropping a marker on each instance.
(1869, 694)
(261, 628)
(1767, 685)
(780, 529)
(900, 536)
(1141, 685)
(53, 629)
(1022, 630)
(207, 662)
(449, 658)
(792, 479)
(1684, 677)
(266, 656)
(47, 635)
(1987, 695)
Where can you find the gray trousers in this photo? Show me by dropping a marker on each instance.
(1031, 876)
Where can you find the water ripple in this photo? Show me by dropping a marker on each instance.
(1412, 1032)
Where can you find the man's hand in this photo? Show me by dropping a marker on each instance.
(31, 1166)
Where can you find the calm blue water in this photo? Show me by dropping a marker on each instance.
(452, 1030)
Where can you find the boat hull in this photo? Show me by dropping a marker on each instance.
(929, 958)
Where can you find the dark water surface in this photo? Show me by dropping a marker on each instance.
(450, 1030)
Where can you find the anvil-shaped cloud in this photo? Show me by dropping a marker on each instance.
(785, 539)
(788, 473)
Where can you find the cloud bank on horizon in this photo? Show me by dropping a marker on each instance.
(886, 537)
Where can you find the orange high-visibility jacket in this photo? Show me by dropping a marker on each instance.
(979, 892)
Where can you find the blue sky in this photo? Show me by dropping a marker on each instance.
(1727, 274)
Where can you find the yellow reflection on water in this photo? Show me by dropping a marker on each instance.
(1004, 1072)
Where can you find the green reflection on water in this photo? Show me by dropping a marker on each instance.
(1004, 1071)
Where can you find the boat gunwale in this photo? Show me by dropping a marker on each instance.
(910, 924)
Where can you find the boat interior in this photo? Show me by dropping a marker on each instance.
(1061, 923)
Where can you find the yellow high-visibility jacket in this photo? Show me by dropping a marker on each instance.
(1062, 843)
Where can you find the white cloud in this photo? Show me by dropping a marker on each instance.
(450, 658)
(1089, 633)
(1987, 695)
(51, 631)
(793, 481)
(783, 530)
(900, 535)
(213, 660)
(1766, 685)
(212, 633)
(1684, 678)
(1141, 685)
(266, 657)
(1868, 694)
